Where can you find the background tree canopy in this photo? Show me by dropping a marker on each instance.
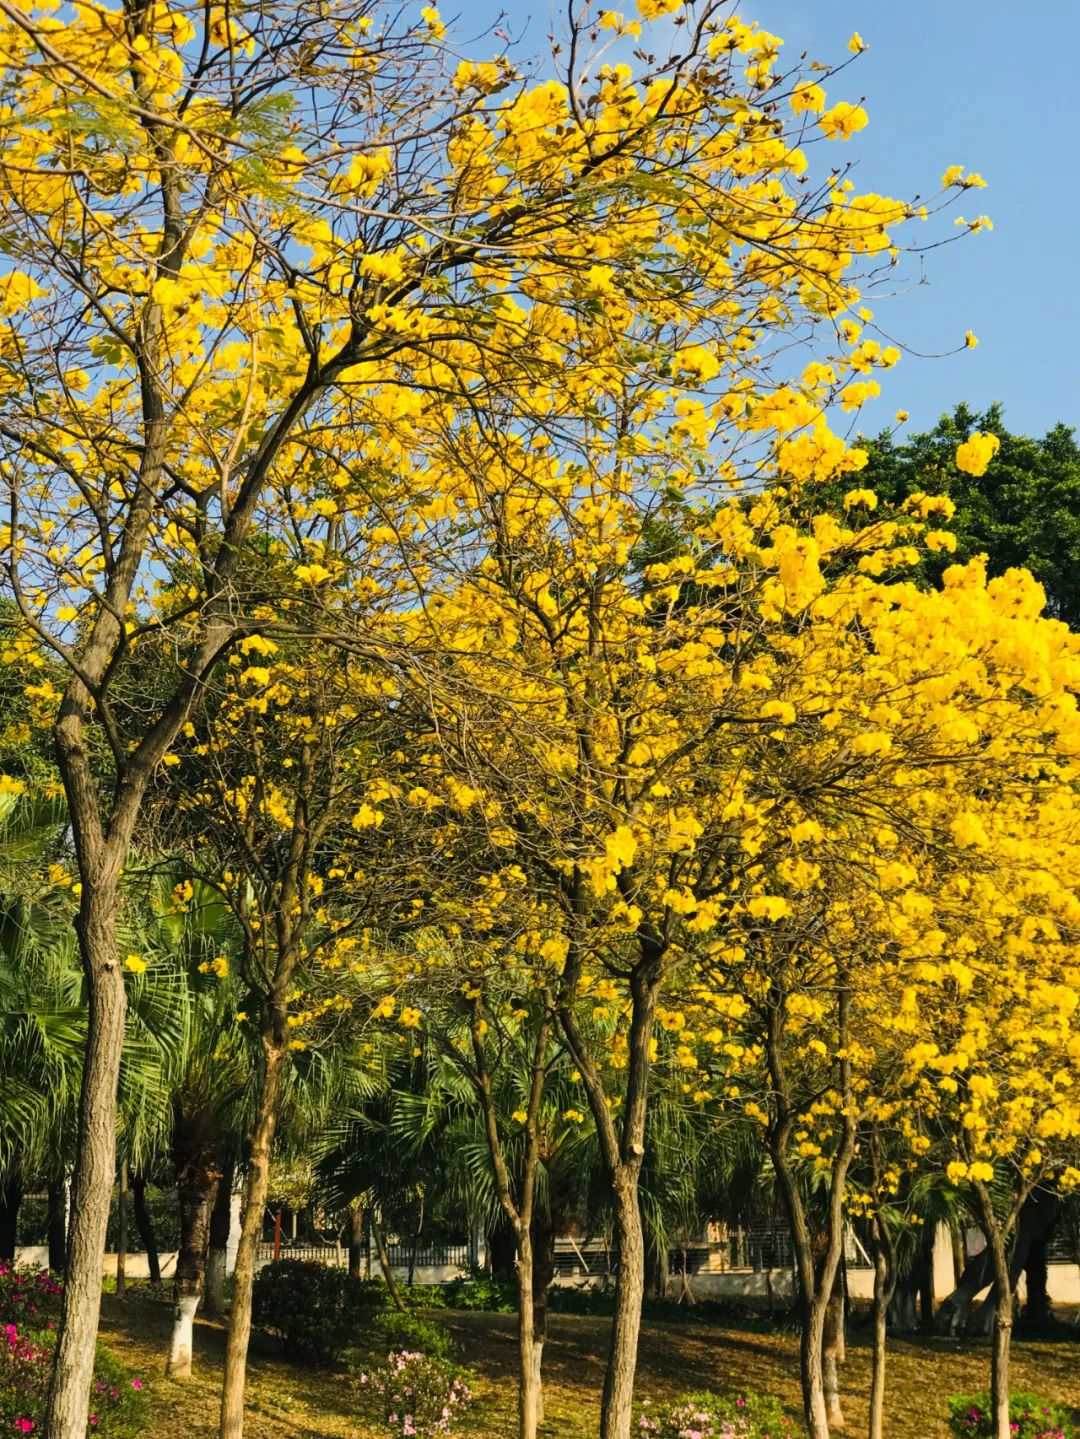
(1025, 511)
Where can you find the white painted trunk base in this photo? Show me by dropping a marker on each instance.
(179, 1365)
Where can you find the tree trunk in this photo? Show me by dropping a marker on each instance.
(197, 1185)
(1037, 1307)
(959, 1258)
(999, 1363)
(925, 1262)
(811, 1356)
(385, 1265)
(254, 1202)
(68, 1404)
(356, 1241)
(501, 1248)
(618, 1398)
(833, 1352)
(121, 1231)
(884, 1286)
(57, 1222)
(11, 1193)
(1001, 1338)
(528, 1366)
(879, 1320)
(543, 1264)
(144, 1227)
(220, 1224)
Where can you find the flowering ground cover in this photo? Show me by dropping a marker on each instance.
(289, 1402)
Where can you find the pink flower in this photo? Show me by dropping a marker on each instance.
(136, 1384)
(24, 1426)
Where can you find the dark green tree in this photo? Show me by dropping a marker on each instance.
(1025, 511)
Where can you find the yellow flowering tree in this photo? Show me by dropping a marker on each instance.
(256, 263)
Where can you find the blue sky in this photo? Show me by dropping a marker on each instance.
(983, 83)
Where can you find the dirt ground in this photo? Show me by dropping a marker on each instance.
(287, 1402)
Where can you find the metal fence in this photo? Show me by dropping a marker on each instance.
(436, 1256)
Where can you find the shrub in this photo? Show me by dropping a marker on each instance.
(970, 1417)
(425, 1296)
(716, 1416)
(314, 1309)
(419, 1398)
(27, 1299)
(478, 1290)
(117, 1399)
(411, 1331)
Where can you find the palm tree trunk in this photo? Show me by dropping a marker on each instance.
(11, 1193)
(356, 1241)
(220, 1225)
(67, 1407)
(57, 1222)
(121, 1231)
(251, 1214)
(144, 1227)
(385, 1265)
(196, 1189)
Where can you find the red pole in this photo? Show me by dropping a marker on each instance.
(277, 1234)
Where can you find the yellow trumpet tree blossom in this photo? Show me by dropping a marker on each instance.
(909, 958)
(761, 762)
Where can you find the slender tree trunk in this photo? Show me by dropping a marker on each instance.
(879, 1319)
(67, 1407)
(884, 1286)
(618, 1396)
(385, 1265)
(816, 1273)
(1001, 1339)
(11, 1193)
(57, 1223)
(543, 1252)
(196, 1189)
(833, 1353)
(121, 1230)
(254, 1202)
(356, 1241)
(144, 1227)
(622, 1150)
(220, 1225)
(528, 1364)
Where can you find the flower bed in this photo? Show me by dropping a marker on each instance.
(28, 1307)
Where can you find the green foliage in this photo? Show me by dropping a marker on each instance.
(424, 1296)
(716, 1416)
(970, 1417)
(1025, 511)
(412, 1331)
(317, 1311)
(478, 1290)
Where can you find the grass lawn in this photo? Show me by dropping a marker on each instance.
(287, 1402)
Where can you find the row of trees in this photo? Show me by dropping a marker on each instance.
(421, 551)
